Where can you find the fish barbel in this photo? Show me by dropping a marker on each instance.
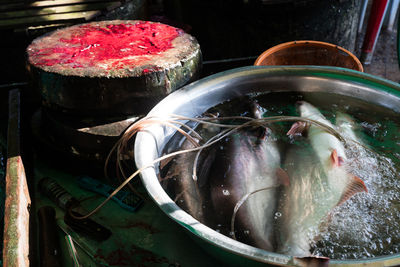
(319, 181)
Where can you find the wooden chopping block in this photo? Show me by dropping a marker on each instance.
(119, 67)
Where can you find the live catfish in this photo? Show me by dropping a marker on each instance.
(248, 160)
(319, 181)
(228, 171)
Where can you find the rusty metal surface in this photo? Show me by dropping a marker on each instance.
(17, 203)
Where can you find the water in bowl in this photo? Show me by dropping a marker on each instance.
(365, 226)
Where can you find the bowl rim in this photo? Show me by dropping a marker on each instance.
(310, 43)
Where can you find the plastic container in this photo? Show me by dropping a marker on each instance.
(309, 53)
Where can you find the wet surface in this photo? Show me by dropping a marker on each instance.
(375, 162)
(95, 44)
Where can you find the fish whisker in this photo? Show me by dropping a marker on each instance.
(240, 203)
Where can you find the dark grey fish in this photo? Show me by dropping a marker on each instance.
(245, 163)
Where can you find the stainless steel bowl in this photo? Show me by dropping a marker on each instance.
(194, 99)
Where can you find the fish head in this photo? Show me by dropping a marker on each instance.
(307, 110)
(344, 119)
(302, 105)
(347, 126)
(257, 110)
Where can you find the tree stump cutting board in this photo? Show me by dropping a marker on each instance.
(118, 67)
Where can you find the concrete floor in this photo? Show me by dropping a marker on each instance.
(384, 62)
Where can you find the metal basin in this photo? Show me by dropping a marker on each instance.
(194, 99)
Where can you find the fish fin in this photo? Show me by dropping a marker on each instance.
(298, 128)
(335, 158)
(337, 161)
(283, 177)
(356, 185)
(313, 261)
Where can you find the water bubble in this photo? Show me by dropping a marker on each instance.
(226, 192)
(368, 224)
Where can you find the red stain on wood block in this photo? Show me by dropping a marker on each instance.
(97, 45)
(112, 67)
